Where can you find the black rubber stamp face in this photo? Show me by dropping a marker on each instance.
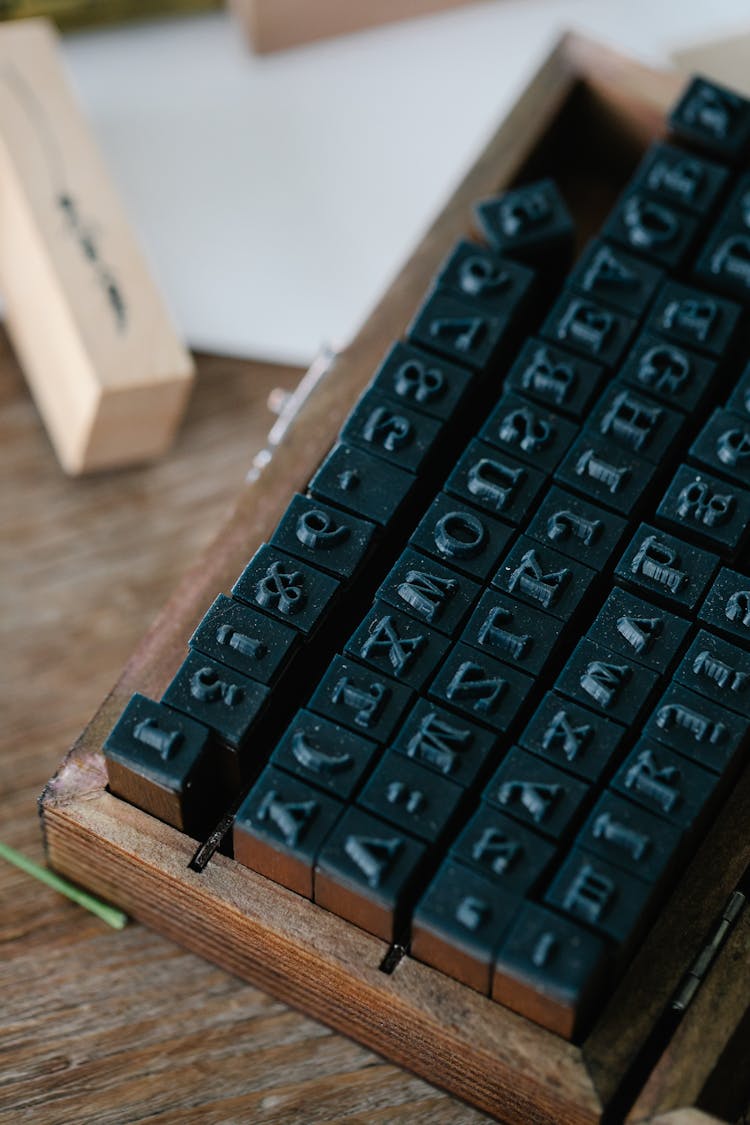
(223, 699)
(503, 850)
(695, 318)
(245, 639)
(430, 592)
(666, 567)
(665, 783)
(678, 376)
(554, 957)
(397, 645)
(324, 536)
(283, 587)
(594, 892)
(676, 176)
(536, 793)
(459, 331)
(555, 378)
(443, 741)
(652, 228)
(698, 728)
(495, 482)
(590, 328)
(700, 505)
(528, 432)
(361, 699)
(712, 118)
(461, 537)
(476, 274)
(411, 797)
(605, 473)
(363, 484)
(391, 429)
(573, 737)
(480, 687)
(608, 274)
(530, 223)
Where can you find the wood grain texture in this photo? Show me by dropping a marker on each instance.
(102, 357)
(107, 1027)
(236, 918)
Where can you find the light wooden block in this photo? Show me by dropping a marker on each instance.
(726, 60)
(272, 25)
(90, 329)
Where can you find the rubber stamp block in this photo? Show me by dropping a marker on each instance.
(398, 646)
(463, 538)
(550, 970)
(573, 737)
(695, 318)
(531, 433)
(544, 579)
(727, 606)
(669, 372)
(449, 744)
(538, 794)
(244, 639)
(699, 506)
(496, 483)
(608, 274)
(723, 446)
(698, 728)
(598, 894)
(421, 381)
(639, 630)
(653, 228)
(600, 471)
(531, 223)
(325, 754)
(611, 683)
(631, 838)
(459, 922)
(91, 331)
(667, 568)
(364, 701)
(298, 595)
(499, 284)
(554, 377)
(480, 687)
(680, 177)
(666, 783)
(362, 484)
(161, 761)
(412, 797)
(501, 849)
(712, 119)
(589, 327)
(280, 829)
(368, 872)
(575, 527)
(430, 592)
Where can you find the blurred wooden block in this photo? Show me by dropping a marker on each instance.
(109, 375)
(272, 25)
(725, 60)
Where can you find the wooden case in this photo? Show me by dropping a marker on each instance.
(585, 119)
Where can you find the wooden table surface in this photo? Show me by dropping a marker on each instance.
(99, 1025)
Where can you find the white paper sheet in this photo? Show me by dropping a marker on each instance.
(276, 196)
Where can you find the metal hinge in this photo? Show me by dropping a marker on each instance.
(698, 971)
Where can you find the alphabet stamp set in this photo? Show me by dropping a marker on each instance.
(453, 756)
